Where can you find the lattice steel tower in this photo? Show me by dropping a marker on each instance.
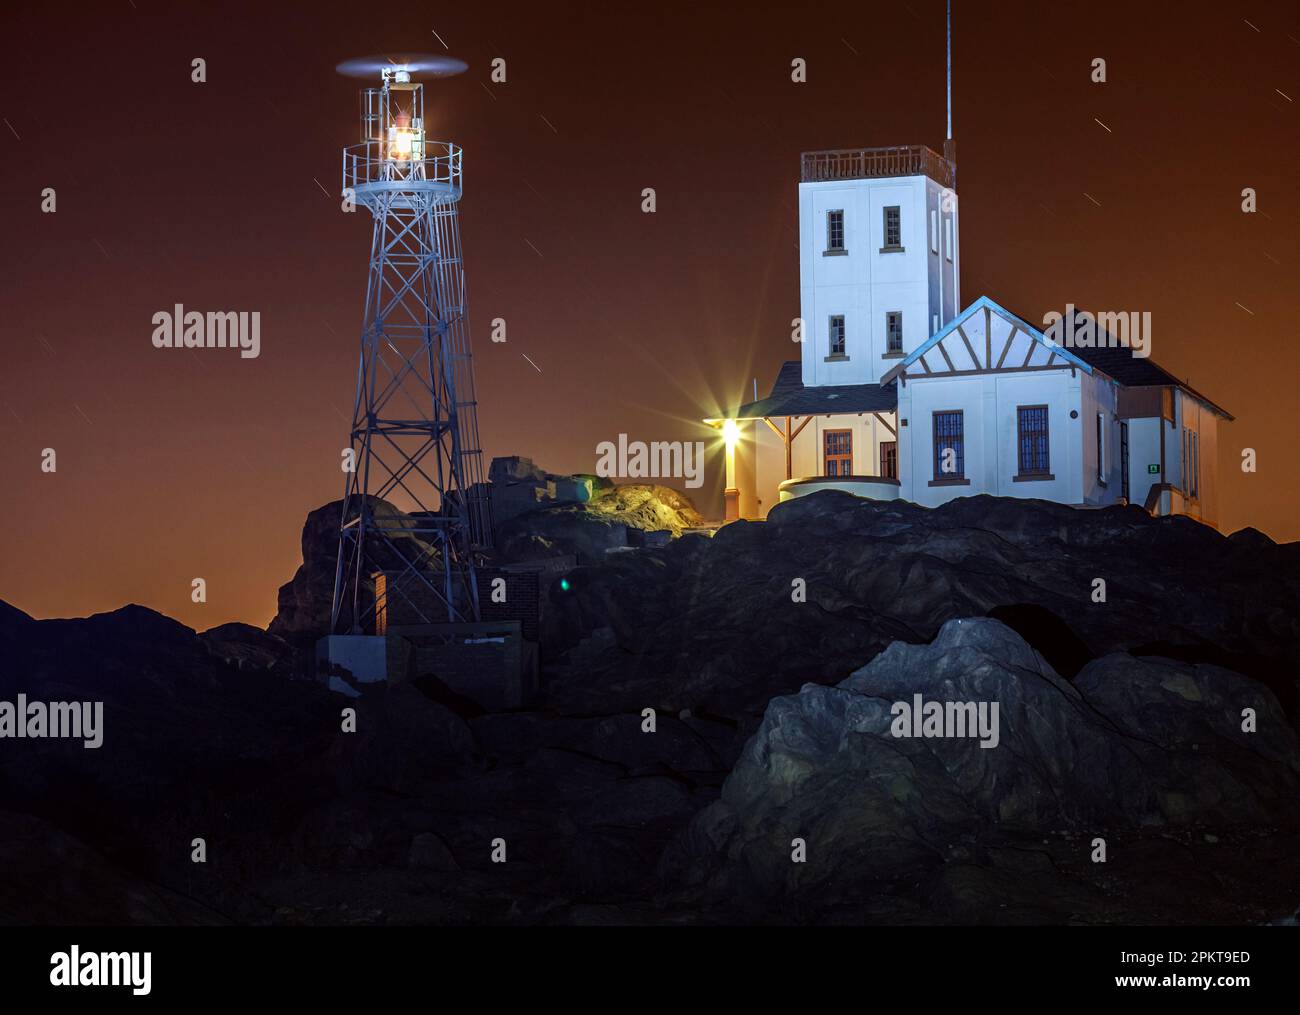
(414, 431)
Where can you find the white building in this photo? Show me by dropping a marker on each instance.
(900, 394)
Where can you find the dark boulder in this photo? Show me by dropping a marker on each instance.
(1132, 743)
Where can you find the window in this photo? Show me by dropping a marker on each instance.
(1123, 459)
(934, 231)
(950, 244)
(949, 446)
(893, 228)
(894, 331)
(889, 459)
(1194, 463)
(1033, 456)
(1101, 448)
(838, 445)
(837, 335)
(834, 231)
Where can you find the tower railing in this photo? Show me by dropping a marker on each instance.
(432, 165)
(869, 163)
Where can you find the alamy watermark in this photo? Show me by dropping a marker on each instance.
(75, 968)
(179, 328)
(656, 460)
(1107, 330)
(948, 719)
(74, 720)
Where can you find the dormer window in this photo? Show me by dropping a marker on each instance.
(835, 232)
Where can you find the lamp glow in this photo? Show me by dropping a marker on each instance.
(403, 143)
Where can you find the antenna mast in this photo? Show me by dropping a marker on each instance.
(949, 145)
(949, 70)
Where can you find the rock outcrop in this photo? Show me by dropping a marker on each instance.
(538, 515)
(305, 601)
(249, 647)
(1132, 743)
(716, 625)
(615, 517)
(1119, 719)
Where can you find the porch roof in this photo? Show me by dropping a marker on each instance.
(790, 397)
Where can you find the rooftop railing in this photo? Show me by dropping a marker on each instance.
(869, 163)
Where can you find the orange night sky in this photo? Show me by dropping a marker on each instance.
(175, 464)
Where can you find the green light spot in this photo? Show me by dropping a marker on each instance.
(564, 585)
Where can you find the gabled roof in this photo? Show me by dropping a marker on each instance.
(790, 397)
(1017, 324)
(1107, 356)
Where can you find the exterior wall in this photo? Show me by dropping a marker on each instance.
(863, 284)
(1144, 451)
(1209, 468)
(806, 459)
(770, 472)
(1193, 418)
(944, 253)
(989, 404)
(1098, 394)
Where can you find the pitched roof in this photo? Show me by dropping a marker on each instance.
(1107, 355)
(790, 397)
(1118, 362)
(1015, 320)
